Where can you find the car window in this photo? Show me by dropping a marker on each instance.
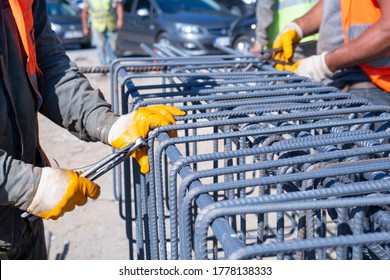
(127, 5)
(177, 6)
(143, 4)
(60, 9)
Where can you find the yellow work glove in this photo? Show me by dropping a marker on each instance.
(138, 124)
(313, 67)
(60, 191)
(286, 41)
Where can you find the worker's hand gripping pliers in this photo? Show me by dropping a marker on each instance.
(105, 165)
(268, 55)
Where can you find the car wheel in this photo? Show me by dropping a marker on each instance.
(163, 40)
(235, 10)
(243, 45)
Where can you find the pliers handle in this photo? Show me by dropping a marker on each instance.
(104, 165)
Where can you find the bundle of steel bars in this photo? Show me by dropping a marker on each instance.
(266, 164)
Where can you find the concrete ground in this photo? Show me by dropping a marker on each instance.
(94, 231)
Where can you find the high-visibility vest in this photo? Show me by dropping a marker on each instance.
(356, 17)
(22, 13)
(286, 11)
(102, 15)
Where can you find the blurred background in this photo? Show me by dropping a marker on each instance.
(190, 26)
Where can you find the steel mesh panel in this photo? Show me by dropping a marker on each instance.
(266, 164)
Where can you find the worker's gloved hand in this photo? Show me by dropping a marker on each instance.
(59, 191)
(138, 124)
(313, 67)
(287, 40)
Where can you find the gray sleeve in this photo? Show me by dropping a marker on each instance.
(264, 18)
(68, 98)
(18, 181)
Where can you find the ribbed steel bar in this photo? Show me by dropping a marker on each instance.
(304, 143)
(197, 192)
(174, 155)
(381, 218)
(261, 106)
(188, 160)
(341, 241)
(152, 196)
(207, 215)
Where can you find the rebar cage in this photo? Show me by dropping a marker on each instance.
(266, 164)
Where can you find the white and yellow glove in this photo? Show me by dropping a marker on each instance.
(313, 67)
(286, 41)
(59, 191)
(138, 124)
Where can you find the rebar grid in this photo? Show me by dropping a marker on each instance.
(266, 164)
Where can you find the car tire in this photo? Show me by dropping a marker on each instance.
(243, 44)
(163, 40)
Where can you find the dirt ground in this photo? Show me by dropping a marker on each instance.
(94, 231)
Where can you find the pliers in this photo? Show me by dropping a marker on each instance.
(267, 55)
(105, 165)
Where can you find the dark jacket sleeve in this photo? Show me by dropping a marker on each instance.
(68, 98)
(18, 181)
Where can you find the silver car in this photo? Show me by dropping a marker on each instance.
(190, 26)
(66, 22)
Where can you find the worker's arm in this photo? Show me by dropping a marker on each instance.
(18, 181)
(62, 87)
(50, 192)
(311, 21)
(264, 18)
(44, 192)
(71, 102)
(68, 98)
(374, 43)
(119, 15)
(84, 18)
(293, 32)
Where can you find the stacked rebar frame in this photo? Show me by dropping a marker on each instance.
(266, 164)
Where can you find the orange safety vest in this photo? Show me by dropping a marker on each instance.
(356, 17)
(22, 13)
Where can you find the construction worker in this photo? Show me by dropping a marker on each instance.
(273, 15)
(37, 76)
(353, 51)
(106, 17)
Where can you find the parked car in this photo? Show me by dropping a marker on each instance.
(243, 34)
(239, 8)
(66, 22)
(77, 5)
(190, 26)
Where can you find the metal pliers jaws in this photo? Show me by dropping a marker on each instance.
(267, 55)
(109, 162)
(105, 165)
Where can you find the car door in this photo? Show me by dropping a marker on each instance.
(143, 23)
(125, 41)
(137, 26)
